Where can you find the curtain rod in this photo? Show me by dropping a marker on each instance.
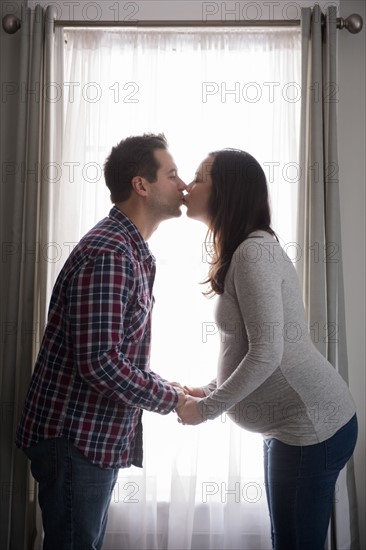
(353, 23)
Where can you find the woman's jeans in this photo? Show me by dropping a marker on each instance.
(74, 495)
(300, 484)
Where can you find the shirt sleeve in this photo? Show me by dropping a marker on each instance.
(257, 285)
(98, 297)
(210, 387)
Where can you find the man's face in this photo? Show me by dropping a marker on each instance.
(166, 193)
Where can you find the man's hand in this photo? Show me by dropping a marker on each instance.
(181, 394)
(181, 399)
(192, 414)
(176, 385)
(189, 412)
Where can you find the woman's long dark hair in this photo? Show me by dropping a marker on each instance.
(238, 205)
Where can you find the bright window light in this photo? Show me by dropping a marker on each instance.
(206, 90)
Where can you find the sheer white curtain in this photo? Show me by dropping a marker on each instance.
(201, 487)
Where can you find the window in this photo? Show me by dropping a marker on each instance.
(205, 89)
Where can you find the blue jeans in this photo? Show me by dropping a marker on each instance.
(74, 495)
(300, 485)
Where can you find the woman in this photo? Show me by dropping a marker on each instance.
(271, 379)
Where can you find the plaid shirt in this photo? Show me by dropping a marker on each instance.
(92, 377)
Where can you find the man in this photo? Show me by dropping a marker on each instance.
(81, 421)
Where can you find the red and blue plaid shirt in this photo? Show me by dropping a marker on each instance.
(92, 377)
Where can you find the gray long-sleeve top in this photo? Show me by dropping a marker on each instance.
(271, 378)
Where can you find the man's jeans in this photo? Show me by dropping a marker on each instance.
(300, 484)
(74, 495)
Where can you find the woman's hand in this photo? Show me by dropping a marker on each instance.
(194, 392)
(189, 412)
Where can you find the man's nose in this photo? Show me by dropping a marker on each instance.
(181, 185)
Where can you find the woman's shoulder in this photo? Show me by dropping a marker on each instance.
(259, 246)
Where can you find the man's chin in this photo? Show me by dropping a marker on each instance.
(176, 214)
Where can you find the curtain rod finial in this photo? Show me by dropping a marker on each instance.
(11, 23)
(353, 23)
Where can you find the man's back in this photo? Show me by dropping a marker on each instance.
(92, 372)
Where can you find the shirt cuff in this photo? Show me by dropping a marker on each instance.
(168, 403)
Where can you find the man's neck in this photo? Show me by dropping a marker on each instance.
(145, 225)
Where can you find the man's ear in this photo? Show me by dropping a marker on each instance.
(138, 184)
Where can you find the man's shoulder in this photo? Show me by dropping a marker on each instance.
(107, 237)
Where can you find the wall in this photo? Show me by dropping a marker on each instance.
(186, 9)
(352, 147)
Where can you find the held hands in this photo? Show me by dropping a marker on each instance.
(195, 392)
(187, 408)
(189, 412)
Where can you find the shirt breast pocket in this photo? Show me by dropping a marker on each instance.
(137, 320)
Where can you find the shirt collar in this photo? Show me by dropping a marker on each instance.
(129, 227)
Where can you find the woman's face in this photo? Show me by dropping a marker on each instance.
(199, 192)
